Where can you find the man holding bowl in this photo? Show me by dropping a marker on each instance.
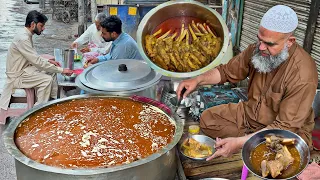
(282, 84)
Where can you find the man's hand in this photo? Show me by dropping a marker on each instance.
(56, 63)
(92, 61)
(189, 84)
(86, 65)
(228, 146)
(67, 72)
(74, 45)
(85, 49)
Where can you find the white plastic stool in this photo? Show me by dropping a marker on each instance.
(29, 99)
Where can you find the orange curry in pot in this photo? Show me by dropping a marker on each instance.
(94, 132)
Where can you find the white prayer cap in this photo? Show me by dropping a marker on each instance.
(280, 18)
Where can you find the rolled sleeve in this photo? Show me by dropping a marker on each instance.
(237, 68)
(104, 57)
(26, 49)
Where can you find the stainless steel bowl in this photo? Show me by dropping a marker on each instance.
(70, 78)
(258, 138)
(183, 109)
(182, 8)
(202, 139)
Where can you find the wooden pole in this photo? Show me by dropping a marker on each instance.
(42, 4)
(81, 16)
(93, 10)
(311, 26)
(51, 4)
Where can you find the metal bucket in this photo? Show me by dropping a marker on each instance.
(161, 165)
(68, 59)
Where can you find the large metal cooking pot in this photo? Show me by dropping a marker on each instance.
(158, 166)
(182, 8)
(121, 77)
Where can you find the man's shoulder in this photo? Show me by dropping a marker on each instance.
(302, 58)
(92, 28)
(304, 64)
(128, 41)
(21, 35)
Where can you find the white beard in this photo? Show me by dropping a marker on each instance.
(265, 64)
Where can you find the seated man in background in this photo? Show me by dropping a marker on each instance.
(92, 36)
(26, 69)
(123, 45)
(283, 80)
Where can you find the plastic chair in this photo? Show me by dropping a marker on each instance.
(29, 99)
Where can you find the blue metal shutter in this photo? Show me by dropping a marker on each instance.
(144, 1)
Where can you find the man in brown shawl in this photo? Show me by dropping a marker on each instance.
(282, 85)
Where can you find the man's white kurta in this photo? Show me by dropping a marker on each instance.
(92, 35)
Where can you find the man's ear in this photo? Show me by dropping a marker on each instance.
(290, 41)
(32, 25)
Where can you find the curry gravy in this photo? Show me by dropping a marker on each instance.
(262, 152)
(94, 132)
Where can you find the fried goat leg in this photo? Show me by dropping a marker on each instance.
(158, 60)
(195, 27)
(150, 42)
(169, 42)
(160, 47)
(195, 50)
(196, 42)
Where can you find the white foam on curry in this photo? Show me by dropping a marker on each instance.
(96, 146)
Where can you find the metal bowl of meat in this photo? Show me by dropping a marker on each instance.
(182, 38)
(275, 154)
(197, 147)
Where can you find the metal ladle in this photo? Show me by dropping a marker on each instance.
(180, 99)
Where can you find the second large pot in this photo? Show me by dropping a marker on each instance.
(183, 9)
(161, 165)
(121, 77)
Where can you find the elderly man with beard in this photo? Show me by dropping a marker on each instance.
(26, 69)
(282, 84)
(92, 36)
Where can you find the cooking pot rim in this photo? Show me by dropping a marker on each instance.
(164, 72)
(11, 147)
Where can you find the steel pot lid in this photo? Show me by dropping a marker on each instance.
(100, 92)
(119, 75)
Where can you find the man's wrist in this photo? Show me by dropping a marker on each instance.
(242, 140)
(199, 79)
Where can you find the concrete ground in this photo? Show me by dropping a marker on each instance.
(57, 35)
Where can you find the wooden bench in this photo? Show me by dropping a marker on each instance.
(29, 99)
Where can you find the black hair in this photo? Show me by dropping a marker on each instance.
(35, 16)
(112, 24)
